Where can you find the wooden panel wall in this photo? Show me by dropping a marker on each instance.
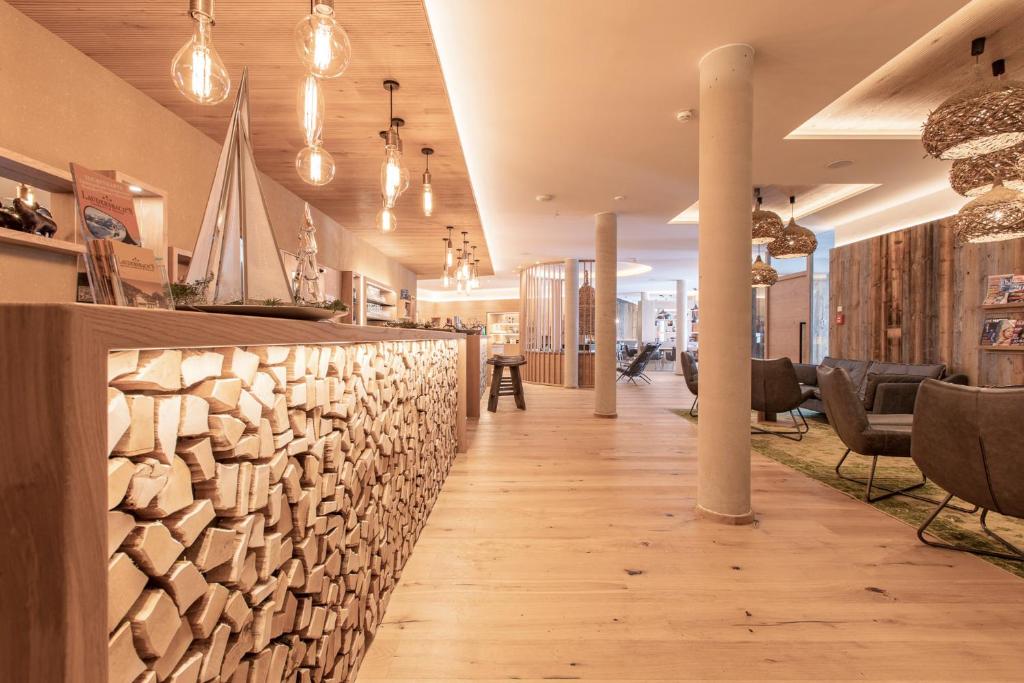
(789, 304)
(914, 296)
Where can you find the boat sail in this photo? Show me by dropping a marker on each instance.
(236, 250)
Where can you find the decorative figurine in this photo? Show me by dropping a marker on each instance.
(9, 219)
(35, 219)
(307, 287)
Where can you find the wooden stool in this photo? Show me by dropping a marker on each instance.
(502, 386)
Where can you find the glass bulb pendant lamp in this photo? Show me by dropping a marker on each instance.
(321, 43)
(464, 268)
(428, 190)
(311, 108)
(393, 177)
(449, 255)
(197, 69)
(475, 280)
(446, 265)
(315, 164)
(386, 220)
(796, 241)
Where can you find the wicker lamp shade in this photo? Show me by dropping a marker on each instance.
(766, 225)
(974, 177)
(981, 119)
(796, 242)
(996, 215)
(762, 275)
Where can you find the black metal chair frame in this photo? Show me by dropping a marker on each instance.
(889, 493)
(693, 407)
(796, 434)
(636, 367)
(1017, 554)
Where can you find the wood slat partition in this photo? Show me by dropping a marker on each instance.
(914, 296)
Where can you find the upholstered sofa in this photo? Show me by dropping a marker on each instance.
(882, 387)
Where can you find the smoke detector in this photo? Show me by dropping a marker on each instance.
(685, 115)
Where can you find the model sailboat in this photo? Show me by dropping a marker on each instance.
(236, 252)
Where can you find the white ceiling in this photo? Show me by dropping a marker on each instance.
(577, 98)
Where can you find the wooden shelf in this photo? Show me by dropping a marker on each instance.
(993, 347)
(1001, 307)
(27, 239)
(379, 302)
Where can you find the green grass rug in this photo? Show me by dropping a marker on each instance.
(817, 455)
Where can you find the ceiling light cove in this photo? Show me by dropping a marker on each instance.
(813, 198)
(631, 268)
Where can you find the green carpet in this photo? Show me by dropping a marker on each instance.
(817, 455)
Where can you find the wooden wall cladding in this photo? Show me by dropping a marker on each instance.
(914, 296)
(263, 501)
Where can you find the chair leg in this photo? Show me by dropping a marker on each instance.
(870, 485)
(492, 399)
(693, 407)
(1017, 555)
(517, 387)
(796, 434)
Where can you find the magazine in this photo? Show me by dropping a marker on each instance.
(1006, 330)
(1004, 289)
(122, 272)
(990, 331)
(1018, 332)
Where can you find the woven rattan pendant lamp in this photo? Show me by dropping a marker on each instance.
(796, 240)
(766, 226)
(762, 275)
(974, 177)
(985, 117)
(994, 216)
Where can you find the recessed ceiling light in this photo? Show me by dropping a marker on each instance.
(685, 115)
(135, 188)
(838, 163)
(619, 197)
(545, 197)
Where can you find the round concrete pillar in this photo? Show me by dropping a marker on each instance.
(571, 373)
(606, 243)
(682, 325)
(726, 141)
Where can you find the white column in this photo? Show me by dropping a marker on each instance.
(726, 140)
(606, 247)
(682, 324)
(648, 313)
(571, 373)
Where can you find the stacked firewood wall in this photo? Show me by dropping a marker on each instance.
(263, 501)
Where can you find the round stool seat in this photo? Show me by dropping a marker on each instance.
(507, 361)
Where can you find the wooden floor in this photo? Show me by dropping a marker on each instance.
(565, 547)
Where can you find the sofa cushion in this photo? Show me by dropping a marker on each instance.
(876, 378)
(932, 370)
(856, 369)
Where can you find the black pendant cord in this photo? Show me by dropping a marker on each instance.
(792, 207)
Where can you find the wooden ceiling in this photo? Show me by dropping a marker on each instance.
(137, 40)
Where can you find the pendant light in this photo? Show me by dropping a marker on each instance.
(762, 275)
(311, 108)
(445, 279)
(449, 254)
(386, 220)
(197, 69)
(796, 241)
(766, 225)
(315, 164)
(994, 216)
(428, 191)
(985, 117)
(321, 43)
(464, 269)
(394, 178)
(976, 176)
(475, 280)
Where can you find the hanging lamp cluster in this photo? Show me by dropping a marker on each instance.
(982, 129)
(783, 241)
(324, 50)
(461, 266)
(796, 241)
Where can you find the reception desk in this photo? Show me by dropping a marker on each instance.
(208, 496)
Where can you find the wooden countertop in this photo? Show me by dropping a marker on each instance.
(116, 327)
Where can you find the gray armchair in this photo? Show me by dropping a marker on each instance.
(689, 364)
(774, 389)
(970, 441)
(873, 436)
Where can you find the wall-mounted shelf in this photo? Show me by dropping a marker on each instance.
(993, 347)
(1003, 307)
(379, 302)
(27, 239)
